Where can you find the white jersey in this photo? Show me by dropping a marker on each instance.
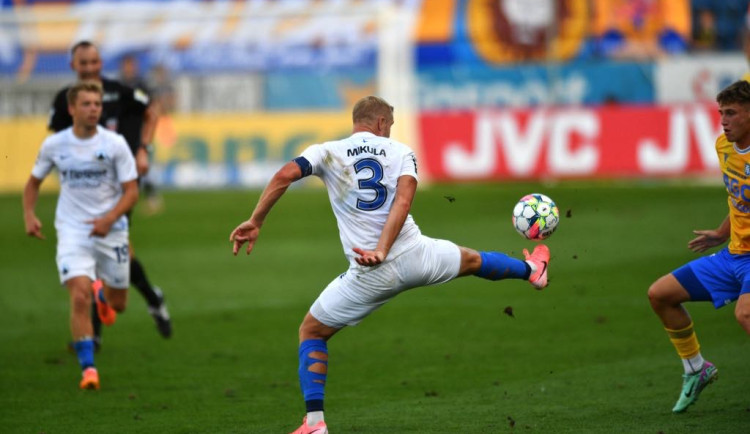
(91, 173)
(361, 173)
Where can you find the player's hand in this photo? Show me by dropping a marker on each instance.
(705, 240)
(101, 227)
(141, 161)
(246, 232)
(368, 258)
(34, 227)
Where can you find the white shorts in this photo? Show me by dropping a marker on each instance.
(107, 258)
(355, 294)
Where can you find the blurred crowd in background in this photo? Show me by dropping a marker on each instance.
(320, 54)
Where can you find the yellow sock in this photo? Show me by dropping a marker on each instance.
(685, 341)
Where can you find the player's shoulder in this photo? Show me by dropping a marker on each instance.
(401, 146)
(110, 85)
(394, 147)
(60, 136)
(110, 136)
(57, 139)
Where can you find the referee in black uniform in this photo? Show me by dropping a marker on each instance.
(128, 112)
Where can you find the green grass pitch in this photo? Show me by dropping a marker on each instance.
(586, 355)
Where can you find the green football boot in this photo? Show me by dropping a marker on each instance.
(693, 385)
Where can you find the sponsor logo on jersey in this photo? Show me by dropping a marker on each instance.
(736, 173)
(88, 178)
(739, 193)
(73, 174)
(747, 169)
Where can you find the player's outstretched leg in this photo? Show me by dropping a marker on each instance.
(499, 266)
(539, 261)
(157, 307)
(693, 384)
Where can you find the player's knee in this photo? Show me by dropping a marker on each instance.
(660, 293)
(471, 261)
(81, 301)
(655, 295)
(303, 332)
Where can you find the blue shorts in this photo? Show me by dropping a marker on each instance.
(720, 278)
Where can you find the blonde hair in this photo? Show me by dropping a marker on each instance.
(368, 109)
(83, 86)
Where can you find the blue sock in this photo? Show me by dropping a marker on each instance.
(498, 266)
(312, 383)
(85, 350)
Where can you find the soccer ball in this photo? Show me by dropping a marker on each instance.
(536, 216)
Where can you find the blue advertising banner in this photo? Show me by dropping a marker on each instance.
(464, 87)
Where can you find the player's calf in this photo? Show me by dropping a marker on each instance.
(116, 298)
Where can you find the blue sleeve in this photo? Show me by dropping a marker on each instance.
(304, 166)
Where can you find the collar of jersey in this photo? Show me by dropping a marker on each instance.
(740, 151)
(363, 133)
(88, 139)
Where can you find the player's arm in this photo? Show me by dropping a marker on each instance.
(150, 119)
(30, 196)
(710, 238)
(129, 197)
(249, 230)
(405, 191)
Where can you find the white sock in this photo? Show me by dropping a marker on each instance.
(693, 364)
(314, 417)
(533, 267)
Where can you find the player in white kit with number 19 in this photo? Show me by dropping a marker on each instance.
(97, 187)
(371, 182)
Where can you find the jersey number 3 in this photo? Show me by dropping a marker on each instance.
(371, 183)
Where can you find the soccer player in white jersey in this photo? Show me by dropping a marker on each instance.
(371, 181)
(97, 187)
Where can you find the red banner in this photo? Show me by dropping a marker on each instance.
(605, 142)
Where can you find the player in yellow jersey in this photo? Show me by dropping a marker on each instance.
(722, 277)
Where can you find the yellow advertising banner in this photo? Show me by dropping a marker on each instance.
(20, 139)
(194, 151)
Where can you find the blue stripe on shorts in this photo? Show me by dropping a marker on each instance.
(720, 278)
